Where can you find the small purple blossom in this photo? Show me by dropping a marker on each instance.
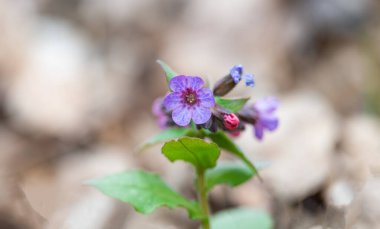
(249, 82)
(189, 100)
(236, 72)
(265, 117)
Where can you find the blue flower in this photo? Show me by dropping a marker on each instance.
(236, 72)
(249, 82)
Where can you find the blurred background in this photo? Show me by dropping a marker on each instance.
(78, 77)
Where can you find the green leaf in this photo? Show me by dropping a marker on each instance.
(166, 135)
(231, 174)
(224, 142)
(201, 154)
(232, 105)
(168, 71)
(144, 191)
(242, 218)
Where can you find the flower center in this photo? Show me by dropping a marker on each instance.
(190, 97)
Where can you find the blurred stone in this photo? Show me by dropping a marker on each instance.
(15, 209)
(120, 13)
(59, 195)
(252, 194)
(319, 227)
(61, 89)
(339, 194)
(365, 212)
(16, 20)
(340, 76)
(91, 211)
(333, 16)
(361, 144)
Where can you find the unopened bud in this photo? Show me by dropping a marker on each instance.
(224, 85)
(231, 121)
(227, 83)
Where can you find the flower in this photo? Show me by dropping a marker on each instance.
(261, 115)
(265, 118)
(249, 82)
(230, 121)
(158, 111)
(189, 100)
(236, 72)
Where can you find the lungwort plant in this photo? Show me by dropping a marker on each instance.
(197, 123)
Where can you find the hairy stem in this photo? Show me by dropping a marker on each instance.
(202, 197)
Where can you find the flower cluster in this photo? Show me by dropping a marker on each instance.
(189, 100)
(236, 73)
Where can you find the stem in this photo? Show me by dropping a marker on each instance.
(202, 197)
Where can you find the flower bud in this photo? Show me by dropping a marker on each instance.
(227, 83)
(224, 85)
(231, 121)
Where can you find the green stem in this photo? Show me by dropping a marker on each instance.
(202, 197)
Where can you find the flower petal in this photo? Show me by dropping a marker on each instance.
(173, 100)
(195, 82)
(266, 105)
(236, 72)
(201, 114)
(206, 98)
(181, 83)
(259, 130)
(235, 76)
(182, 116)
(178, 83)
(269, 122)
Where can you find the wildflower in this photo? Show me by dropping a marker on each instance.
(261, 115)
(231, 121)
(189, 100)
(249, 82)
(236, 72)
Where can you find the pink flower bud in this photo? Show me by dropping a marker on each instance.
(231, 121)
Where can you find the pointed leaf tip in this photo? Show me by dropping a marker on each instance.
(168, 71)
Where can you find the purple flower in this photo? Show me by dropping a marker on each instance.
(236, 72)
(249, 82)
(158, 111)
(265, 118)
(189, 100)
